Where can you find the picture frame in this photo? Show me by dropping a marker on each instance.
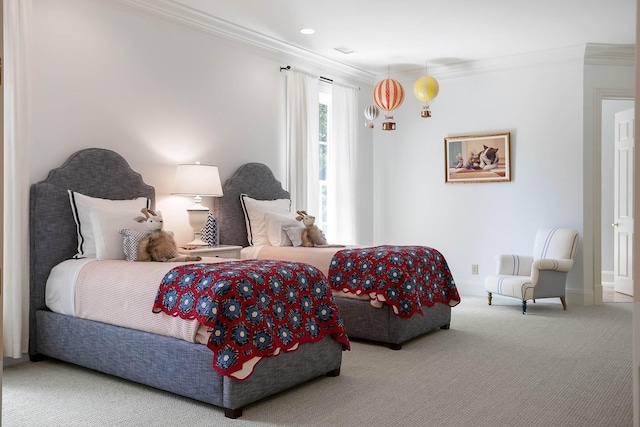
(477, 158)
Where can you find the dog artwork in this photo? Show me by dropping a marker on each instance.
(488, 158)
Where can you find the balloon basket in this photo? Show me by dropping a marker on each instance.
(388, 126)
(425, 113)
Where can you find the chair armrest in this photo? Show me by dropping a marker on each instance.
(553, 264)
(514, 265)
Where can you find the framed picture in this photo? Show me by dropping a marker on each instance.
(477, 158)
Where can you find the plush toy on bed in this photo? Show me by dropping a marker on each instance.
(158, 245)
(312, 235)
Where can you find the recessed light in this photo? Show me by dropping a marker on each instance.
(307, 31)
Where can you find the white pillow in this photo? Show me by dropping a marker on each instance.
(81, 207)
(295, 234)
(254, 212)
(106, 224)
(275, 228)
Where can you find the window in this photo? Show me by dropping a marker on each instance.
(324, 146)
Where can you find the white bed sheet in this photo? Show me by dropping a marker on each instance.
(120, 293)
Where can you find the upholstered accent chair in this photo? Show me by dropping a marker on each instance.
(542, 275)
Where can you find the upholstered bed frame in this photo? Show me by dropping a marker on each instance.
(150, 359)
(360, 318)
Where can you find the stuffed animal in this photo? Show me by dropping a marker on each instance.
(473, 162)
(488, 158)
(459, 161)
(158, 245)
(312, 235)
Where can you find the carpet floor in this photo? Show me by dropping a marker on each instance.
(494, 367)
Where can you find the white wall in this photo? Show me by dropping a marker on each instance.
(470, 223)
(160, 94)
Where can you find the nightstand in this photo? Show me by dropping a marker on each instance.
(222, 251)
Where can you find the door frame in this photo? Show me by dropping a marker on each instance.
(600, 95)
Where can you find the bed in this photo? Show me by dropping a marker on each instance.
(141, 356)
(364, 318)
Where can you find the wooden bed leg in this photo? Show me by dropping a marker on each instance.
(333, 373)
(447, 326)
(37, 357)
(233, 413)
(489, 297)
(564, 303)
(394, 346)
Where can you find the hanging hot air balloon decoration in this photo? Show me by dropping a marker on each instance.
(388, 95)
(370, 113)
(425, 89)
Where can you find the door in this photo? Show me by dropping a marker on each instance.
(624, 141)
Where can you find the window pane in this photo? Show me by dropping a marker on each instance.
(323, 123)
(322, 151)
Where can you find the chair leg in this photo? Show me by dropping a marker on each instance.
(564, 303)
(524, 307)
(489, 297)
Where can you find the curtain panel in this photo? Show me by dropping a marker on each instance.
(302, 140)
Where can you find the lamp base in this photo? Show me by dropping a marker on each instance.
(197, 241)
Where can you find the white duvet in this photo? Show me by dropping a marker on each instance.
(120, 293)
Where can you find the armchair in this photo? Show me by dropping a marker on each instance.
(542, 275)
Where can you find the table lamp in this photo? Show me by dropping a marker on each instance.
(197, 180)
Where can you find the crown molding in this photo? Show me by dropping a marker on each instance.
(195, 20)
(570, 54)
(610, 54)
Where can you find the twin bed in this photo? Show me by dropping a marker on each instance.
(294, 299)
(365, 317)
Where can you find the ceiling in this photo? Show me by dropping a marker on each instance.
(406, 34)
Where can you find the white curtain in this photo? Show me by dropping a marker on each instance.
(342, 165)
(302, 140)
(17, 18)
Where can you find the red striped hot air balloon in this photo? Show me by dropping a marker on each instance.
(388, 95)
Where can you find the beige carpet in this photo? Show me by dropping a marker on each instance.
(494, 367)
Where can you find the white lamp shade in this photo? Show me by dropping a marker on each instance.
(197, 180)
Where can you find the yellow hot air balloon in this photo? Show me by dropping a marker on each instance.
(425, 89)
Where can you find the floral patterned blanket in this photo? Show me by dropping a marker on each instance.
(405, 277)
(254, 308)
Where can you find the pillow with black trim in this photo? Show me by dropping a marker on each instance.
(254, 216)
(81, 208)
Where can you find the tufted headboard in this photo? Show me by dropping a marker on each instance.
(253, 179)
(95, 172)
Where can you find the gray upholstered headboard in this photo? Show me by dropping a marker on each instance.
(94, 172)
(253, 179)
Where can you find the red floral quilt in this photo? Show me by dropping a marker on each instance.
(405, 277)
(254, 308)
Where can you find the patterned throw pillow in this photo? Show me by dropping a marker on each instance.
(295, 234)
(130, 241)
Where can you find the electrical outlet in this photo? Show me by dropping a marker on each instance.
(474, 268)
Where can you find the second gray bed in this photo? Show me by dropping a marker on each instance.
(361, 319)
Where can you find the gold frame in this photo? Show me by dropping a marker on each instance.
(463, 162)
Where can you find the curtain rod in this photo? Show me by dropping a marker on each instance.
(324, 79)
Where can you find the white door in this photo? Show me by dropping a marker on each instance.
(623, 202)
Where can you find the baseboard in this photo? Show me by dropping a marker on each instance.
(607, 277)
(582, 297)
(471, 288)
